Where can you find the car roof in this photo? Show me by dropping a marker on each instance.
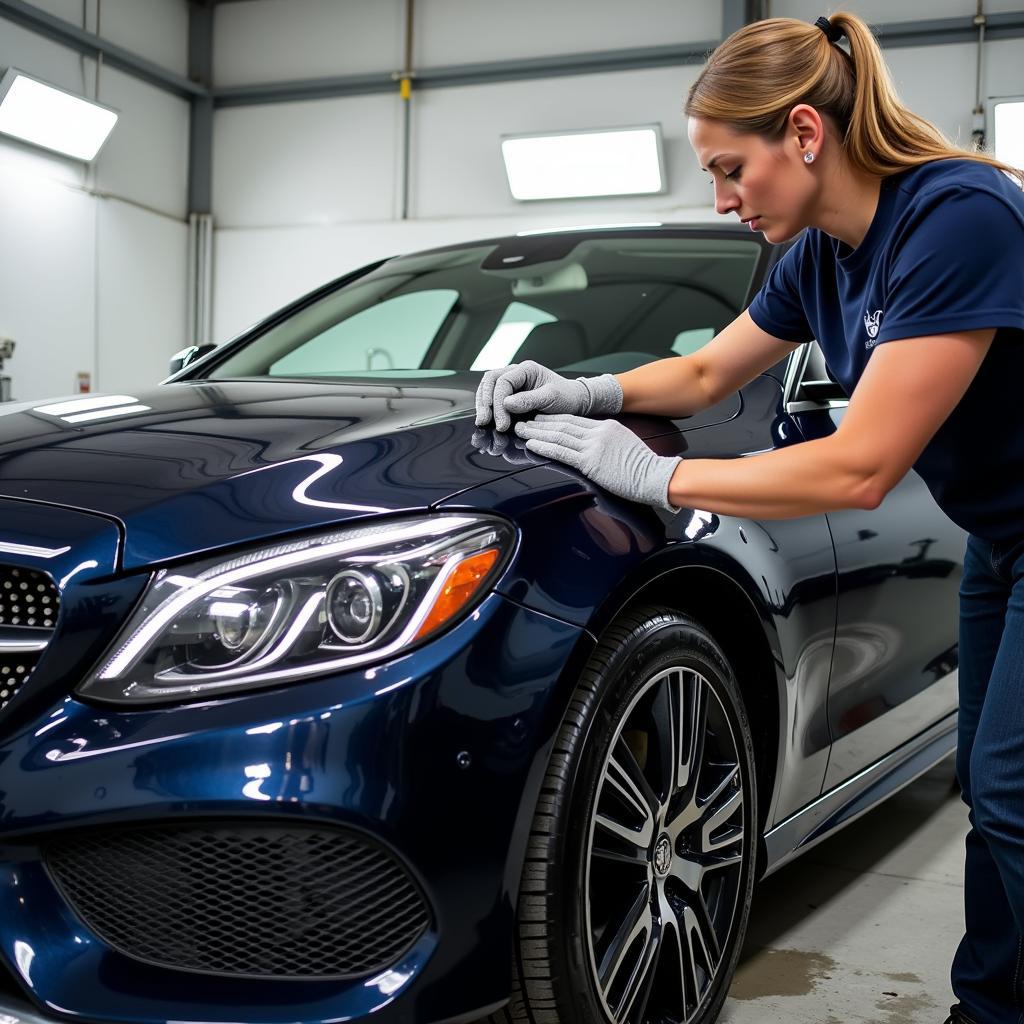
(546, 242)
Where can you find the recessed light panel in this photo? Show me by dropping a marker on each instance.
(46, 116)
(611, 162)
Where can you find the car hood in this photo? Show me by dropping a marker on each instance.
(194, 466)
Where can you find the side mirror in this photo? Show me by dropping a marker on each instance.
(188, 355)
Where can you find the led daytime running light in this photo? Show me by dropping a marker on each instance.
(137, 644)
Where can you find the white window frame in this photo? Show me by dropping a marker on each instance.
(990, 119)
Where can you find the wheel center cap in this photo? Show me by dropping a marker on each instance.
(662, 859)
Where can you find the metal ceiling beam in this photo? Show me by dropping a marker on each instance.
(894, 35)
(88, 43)
(737, 13)
(1007, 25)
(466, 74)
(200, 70)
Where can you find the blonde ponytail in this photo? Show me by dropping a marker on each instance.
(761, 72)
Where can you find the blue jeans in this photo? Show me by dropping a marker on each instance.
(988, 969)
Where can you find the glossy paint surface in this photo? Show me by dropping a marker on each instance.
(583, 548)
(246, 460)
(438, 753)
(374, 750)
(895, 659)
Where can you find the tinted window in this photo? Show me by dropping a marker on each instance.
(394, 333)
(604, 305)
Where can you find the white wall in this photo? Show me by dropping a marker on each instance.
(92, 277)
(936, 81)
(276, 40)
(306, 191)
(92, 271)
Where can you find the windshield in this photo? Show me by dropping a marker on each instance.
(591, 305)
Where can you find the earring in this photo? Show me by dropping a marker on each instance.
(808, 157)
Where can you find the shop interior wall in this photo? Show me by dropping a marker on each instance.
(306, 191)
(93, 265)
(93, 275)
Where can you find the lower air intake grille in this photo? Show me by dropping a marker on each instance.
(29, 602)
(294, 902)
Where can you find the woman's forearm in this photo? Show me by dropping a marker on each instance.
(666, 387)
(804, 479)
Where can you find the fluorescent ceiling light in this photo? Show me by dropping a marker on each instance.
(612, 162)
(1009, 132)
(46, 116)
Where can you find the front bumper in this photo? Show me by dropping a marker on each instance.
(438, 756)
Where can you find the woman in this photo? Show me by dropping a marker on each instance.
(911, 278)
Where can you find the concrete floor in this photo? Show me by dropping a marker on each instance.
(863, 927)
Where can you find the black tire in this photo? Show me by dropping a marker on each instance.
(604, 846)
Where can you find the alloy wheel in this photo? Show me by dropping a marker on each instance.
(664, 860)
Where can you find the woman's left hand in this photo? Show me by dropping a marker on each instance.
(607, 452)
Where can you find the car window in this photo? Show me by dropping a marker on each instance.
(575, 303)
(514, 327)
(393, 333)
(687, 342)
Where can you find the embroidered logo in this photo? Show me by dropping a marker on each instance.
(872, 323)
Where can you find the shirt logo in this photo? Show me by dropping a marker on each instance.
(872, 323)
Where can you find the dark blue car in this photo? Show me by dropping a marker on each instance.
(318, 702)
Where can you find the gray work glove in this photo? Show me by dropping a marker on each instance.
(509, 447)
(607, 452)
(529, 387)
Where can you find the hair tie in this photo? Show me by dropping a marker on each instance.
(832, 32)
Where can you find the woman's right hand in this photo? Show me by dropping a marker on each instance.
(529, 387)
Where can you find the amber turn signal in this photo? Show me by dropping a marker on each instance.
(459, 588)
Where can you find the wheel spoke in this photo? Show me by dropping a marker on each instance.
(692, 728)
(638, 840)
(636, 1006)
(633, 949)
(670, 923)
(716, 811)
(624, 778)
(697, 950)
(697, 957)
(716, 863)
(633, 855)
(667, 711)
(624, 771)
(692, 697)
(656, 925)
(708, 934)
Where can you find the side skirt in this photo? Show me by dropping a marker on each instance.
(848, 801)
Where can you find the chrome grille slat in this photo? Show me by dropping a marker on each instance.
(23, 639)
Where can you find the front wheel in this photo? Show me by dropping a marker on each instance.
(639, 874)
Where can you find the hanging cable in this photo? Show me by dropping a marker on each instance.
(405, 91)
(91, 178)
(978, 118)
(99, 54)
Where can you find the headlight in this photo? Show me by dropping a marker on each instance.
(295, 610)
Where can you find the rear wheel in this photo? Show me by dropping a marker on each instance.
(639, 873)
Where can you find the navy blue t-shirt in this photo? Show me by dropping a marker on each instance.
(944, 252)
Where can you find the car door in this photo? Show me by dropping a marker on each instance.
(899, 567)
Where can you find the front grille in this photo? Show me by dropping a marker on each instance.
(29, 602)
(290, 902)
